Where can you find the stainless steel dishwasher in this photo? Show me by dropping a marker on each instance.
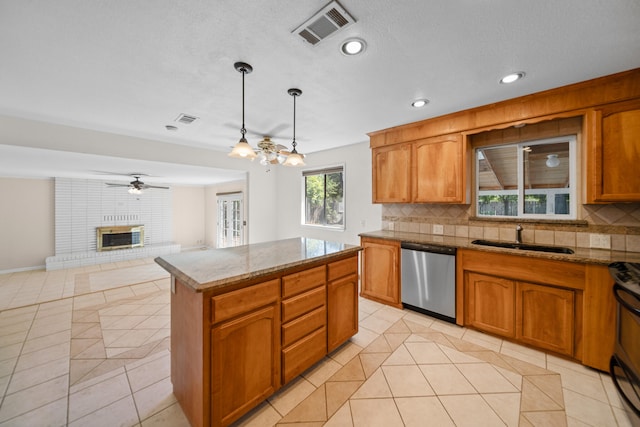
(429, 279)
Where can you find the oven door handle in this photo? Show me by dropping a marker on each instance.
(617, 289)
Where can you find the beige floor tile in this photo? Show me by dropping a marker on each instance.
(375, 386)
(312, 409)
(321, 371)
(342, 417)
(375, 413)
(417, 322)
(581, 382)
(407, 381)
(457, 356)
(399, 327)
(34, 397)
(513, 377)
(447, 379)
(86, 330)
(98, 396)
(487, 341)
(121, 322)
(587, 409)
(375, 324)
(149, 373)
(507, 406)
(379, 345)
(611, 390)
(7, 366)
(85, 301)
(133, 338)
(551, 385)
(426, 353)
(154, 398)
(352, 371)
(51, 414)
(260, 416)
(420, 411)
(624, 418)
(524, 354)
(401, 356)
(31, 377)
(122, 412)
(372, 361)
(396, 340)
(448, 328)
(364, 337)
(291, 395)
(470, 411)
(42, 356)
(337, 393)
(546, 418)
(10, 351)
(391, 314)
(485, 378)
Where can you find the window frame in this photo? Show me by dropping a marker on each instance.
(520, 192)
(324, 171)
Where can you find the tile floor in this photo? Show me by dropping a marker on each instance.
(90, 346)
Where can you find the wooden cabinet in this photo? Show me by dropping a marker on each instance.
(491, 304)
(342, 301)
(431, 170)
(545, 317)
(304, 331)
(245, 350)
(381, 271)
(613, 151)
(438, 170)
(392, 174)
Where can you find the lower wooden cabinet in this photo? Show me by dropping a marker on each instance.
(491, 304)
(245, 363)
(381, 271)
(342, 302)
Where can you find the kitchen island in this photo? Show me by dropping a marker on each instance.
(247, 320)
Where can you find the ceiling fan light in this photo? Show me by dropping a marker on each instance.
(294, 159)
(242, 150)
(134, 190)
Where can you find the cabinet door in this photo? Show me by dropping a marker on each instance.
(490, 304)
(342, 311)
(245, 363)
(614, 151)
(545, 317)
(438, 170)
(391, 171)
(380, 272)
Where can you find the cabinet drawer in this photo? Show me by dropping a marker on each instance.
(303, 354)
(342, 268)
(299, 282)
(303, 325)
(303, 303)
(231, 304)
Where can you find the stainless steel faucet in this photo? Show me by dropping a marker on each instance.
(518, 233)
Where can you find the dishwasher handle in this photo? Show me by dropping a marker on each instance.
(424, 247)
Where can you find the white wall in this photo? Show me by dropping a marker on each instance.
(26, 222)
(361, 214)
(188, 208)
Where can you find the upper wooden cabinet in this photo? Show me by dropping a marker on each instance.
(613, 153)
(430, 170)
(438, 170)
(392, 174)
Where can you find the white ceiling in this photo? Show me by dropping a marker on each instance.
(131, 67)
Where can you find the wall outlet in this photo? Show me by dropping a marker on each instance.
(391, 226)
(438, 229)
(600, 241)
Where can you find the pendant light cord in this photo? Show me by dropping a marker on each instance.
(294, 143)
(243, 131)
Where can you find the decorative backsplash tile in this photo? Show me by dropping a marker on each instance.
(617, 225)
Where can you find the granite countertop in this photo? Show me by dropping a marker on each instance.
(207, 269)
(582, 255)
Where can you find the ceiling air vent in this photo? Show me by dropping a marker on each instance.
(327, 21)
(186, 119)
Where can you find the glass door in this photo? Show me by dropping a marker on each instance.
(230, 220)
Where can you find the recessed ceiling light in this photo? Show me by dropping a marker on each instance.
(171, 128)
(510, 78)
(418, 103)
(353, 46)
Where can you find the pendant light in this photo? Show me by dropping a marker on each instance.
(242, 150)
(294, 158)
(552, 161)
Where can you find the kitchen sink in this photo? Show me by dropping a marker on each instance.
(524, 246)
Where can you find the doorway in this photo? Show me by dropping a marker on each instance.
(230, 229)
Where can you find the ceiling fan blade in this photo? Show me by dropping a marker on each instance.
(112, 184)
(155, 186)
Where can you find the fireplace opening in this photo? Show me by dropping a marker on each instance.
(120, 237)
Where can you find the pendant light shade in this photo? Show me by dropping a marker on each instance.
(552, 161)
(294, 158)
(242, 150)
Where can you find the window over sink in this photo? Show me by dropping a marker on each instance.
(531, 179)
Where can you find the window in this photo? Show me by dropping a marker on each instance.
(533, 179)
(324, 197)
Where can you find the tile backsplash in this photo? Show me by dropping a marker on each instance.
(612, 226)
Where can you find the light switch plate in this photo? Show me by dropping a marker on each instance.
(600, 241)
(391, 226)
(438, 229)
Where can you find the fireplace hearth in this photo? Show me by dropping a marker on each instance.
(120, 237)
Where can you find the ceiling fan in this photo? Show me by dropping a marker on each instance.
(136, 186)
